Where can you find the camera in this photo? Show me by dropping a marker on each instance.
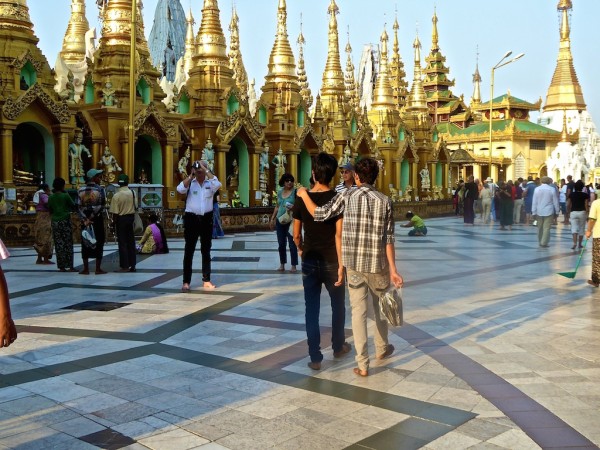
(196, 165)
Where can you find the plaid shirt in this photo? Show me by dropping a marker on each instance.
(91, 200)
(368, 227)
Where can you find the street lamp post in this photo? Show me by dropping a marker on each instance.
(501, 63)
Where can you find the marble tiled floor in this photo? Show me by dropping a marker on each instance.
(497, 352)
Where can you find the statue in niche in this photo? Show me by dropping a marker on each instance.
(263, 168)
(208, 154)
(110, 166)
(234, 176)
(279, 161)
(425, 181)
(346, 157)
(143, 177)
(108, 94)
(76, 153)
(183, 163)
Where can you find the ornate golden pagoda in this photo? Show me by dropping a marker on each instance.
(27, 96)
(235, 55)
(565, 90)
(444, 106)
(350, 80)
(302, 77)
(397, 73)
(332, 88)
(419, 127)
(74, 46)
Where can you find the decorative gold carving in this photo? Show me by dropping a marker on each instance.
(25, 57)
(229, 128)
(13, 108)
(166, 128)
(149, 128)
(14, 12)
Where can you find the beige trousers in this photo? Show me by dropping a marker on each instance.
(361, 286)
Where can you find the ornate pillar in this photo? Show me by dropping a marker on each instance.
(254, 168)
(292, 165)
(61, 163)
(97, 152)
(6, 172)
(221, 164)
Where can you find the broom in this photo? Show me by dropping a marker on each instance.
(572, 274)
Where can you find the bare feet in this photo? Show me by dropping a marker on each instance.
(100, 272)
(208, 285)
(185, 288)
(84, 272)
(293, 269)
(281, 268)
(388, 351)
(361, 373)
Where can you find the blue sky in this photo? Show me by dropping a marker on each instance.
(492, 26)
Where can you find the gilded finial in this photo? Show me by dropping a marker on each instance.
(383, 96)
(305, 91)
(236, 62)
(434, 33)
(333, 77)
(282, 64)
(73, 48)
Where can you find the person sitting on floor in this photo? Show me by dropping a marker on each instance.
(154, 239)
(417, 224)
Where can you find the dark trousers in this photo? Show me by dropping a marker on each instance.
(469, 214)
(195, 227)
(284, 237)
(315, 274)
(126, 241)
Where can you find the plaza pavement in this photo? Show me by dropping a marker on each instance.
(497, 351)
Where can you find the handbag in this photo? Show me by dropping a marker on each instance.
(390, 304)
(285, 218)
(88, 237)
(138, 225)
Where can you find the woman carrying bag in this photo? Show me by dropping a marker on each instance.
(281, 220)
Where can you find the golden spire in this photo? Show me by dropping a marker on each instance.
(383, 96)
(434, 33)
(73, 48)
(210, 41)
(565, 90)
(476, 83)
(235, 55)
(282, 64)
(417, 100)
(397, 73)
(305, 91)
(116, 25)
(350, 81)
(190, 44)
(15, 14)
(564, 137)
(333, 77)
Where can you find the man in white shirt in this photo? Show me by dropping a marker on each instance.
(545, 208)
(199, 187)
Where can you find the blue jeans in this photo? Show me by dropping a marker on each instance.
(316, 273)
(283, 234)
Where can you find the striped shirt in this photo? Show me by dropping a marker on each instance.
(368, 227)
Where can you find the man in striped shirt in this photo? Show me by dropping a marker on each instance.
(368, 254)
(347, 182)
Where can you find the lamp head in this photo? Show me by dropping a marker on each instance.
(507, 54)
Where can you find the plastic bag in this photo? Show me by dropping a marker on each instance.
(88, 237)
(138, 225)
(390, 305)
